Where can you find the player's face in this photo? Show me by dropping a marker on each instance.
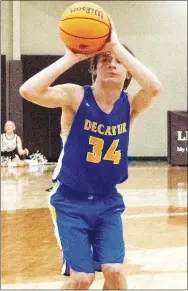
(110, 69)
(9, 126)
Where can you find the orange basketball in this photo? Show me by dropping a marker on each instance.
(84, 27)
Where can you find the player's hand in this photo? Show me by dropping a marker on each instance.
(113, 40)
(113, 34)
(77, 57)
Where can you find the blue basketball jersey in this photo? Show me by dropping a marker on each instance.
(94, 157)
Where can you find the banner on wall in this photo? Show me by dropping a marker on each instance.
(178, 138)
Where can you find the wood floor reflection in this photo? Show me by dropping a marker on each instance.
(29, 249)
(155, 228)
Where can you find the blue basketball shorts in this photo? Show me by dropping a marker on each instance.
(88, 226)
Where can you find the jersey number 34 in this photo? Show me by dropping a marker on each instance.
(96, 155)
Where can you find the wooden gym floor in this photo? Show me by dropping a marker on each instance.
(155, 229)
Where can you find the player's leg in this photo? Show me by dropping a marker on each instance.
(74, 238)
(108, 243)
(78, 281)
(114, 277)
(65, 270)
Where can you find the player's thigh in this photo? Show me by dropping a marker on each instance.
(73, 232)
(108, 240)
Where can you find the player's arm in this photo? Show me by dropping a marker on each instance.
(38, 88)
(139, 102)
(150, 85)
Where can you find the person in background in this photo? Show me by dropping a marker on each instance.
(12, 152)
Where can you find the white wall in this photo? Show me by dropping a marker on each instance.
(6, 28)
(154, 30)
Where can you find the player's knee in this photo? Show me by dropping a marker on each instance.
(83, 280)
(113, 271)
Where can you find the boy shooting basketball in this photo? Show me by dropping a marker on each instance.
(95, 131)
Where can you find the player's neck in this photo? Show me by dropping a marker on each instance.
(104, 94)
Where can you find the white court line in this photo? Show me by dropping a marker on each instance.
(129, 216)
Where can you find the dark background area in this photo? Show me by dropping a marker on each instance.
(3, 91)
(177, 121)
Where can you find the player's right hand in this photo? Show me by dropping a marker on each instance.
(78, 57)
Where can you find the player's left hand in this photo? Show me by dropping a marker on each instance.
(113, 34)
(113, 40)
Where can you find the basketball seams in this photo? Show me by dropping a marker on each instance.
(87, 19)
(82, 36)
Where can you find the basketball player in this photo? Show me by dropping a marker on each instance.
(95, 132)
(11, 147)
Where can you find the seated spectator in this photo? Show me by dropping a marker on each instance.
(12, 152)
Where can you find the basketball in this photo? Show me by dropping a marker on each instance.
(84, 27)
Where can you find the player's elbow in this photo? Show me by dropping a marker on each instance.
(155, 88)
(24, 92)
(27, 93)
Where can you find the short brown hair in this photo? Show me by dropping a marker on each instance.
(93, 66)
